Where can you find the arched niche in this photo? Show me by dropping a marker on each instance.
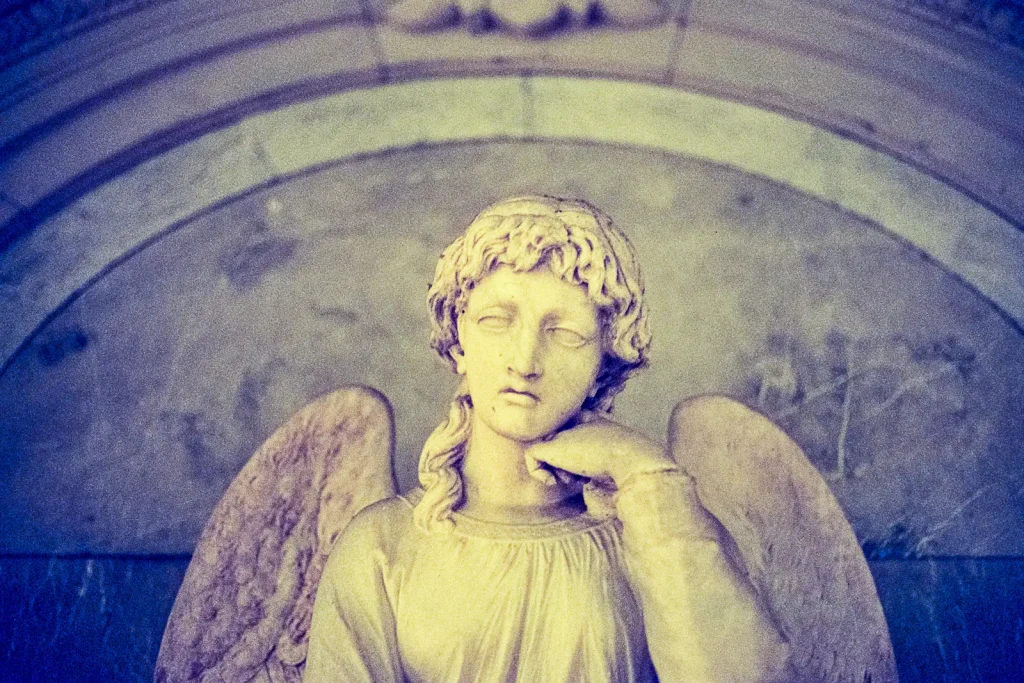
(843, 178)
(821, 311)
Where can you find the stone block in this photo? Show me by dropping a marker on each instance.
(153, 37)
(361, 122)
(644, 54)
(934, 99)
(181, 103)
(84, 619)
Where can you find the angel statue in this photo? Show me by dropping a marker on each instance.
(546, 542)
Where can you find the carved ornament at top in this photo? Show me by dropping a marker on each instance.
(28, 27)
(526, 17)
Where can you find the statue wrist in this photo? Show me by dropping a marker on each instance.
(629, 464)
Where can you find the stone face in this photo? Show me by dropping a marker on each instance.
(125, 417)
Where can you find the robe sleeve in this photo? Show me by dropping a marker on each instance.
(701, 618)
(352, 635)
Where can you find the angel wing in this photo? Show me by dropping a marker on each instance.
(797, 547)
(243, 611)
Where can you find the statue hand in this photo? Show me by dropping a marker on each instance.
(595, 448)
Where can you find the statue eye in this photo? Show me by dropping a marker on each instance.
(494, 323)
(567, 337)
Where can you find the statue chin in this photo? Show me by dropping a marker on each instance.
(525, 430)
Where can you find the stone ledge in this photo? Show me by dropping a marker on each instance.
(159, 37)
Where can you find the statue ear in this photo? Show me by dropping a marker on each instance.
(455, 352)
(457, 355)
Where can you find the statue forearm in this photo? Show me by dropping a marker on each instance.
(702, 618)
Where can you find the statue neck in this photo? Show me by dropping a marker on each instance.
(497, 487)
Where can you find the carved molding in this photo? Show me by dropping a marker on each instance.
(524, 17)
(30, 26)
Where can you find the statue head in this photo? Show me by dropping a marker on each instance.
(579, 244)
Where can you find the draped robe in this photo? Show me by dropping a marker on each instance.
(649, 594)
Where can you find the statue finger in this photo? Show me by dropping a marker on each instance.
(565, 477)
(538, 471)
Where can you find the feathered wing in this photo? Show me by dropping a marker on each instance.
(797, 547)
(244, 608)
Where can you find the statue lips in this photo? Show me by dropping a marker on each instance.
(520, 397)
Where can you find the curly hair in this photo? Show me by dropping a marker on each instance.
(581, 245)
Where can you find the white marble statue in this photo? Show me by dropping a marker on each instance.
(546, 542)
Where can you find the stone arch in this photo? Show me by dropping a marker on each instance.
(122, 134)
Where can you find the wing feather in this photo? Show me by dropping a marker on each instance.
(797, 547)
(244, 608)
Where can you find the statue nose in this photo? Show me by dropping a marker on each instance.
(524, 355)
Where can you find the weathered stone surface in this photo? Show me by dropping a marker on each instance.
(834, 63)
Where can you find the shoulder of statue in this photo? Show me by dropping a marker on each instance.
(379, 527)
